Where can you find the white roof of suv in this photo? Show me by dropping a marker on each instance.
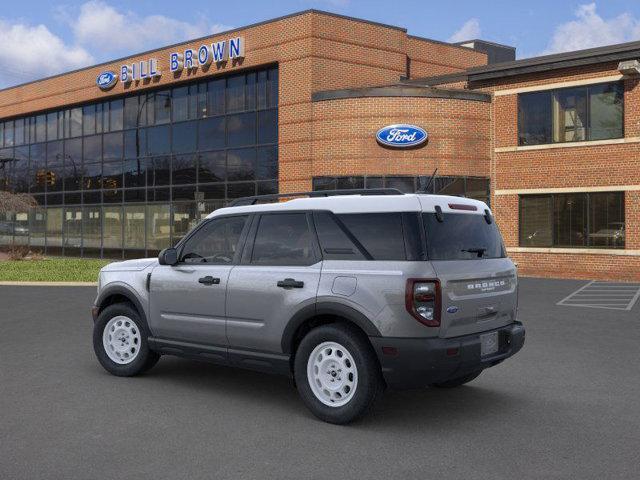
(365, 204)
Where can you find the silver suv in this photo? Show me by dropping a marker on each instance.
(347, 294)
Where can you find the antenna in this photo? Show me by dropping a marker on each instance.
(426, 187)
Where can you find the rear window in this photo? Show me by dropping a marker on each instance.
(462, 237)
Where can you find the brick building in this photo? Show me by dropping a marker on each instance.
(125, 157)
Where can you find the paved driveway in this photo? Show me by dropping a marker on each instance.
(566, 407)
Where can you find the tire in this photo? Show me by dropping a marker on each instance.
(350, 361)
(456, 382)
(129, 356)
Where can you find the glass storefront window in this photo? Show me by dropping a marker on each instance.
(134, 227)
(112, 227)
(37, 227)
(158, 227)
(96, 168)
(184, 136)
(54, 227)
(184, 219)
(72, 230)
(92, 230)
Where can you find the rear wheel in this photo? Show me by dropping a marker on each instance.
(337, 373)
(120, 341)
(456, 382)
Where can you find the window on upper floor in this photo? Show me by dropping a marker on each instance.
(577, 114)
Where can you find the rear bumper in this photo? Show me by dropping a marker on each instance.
(418, 362)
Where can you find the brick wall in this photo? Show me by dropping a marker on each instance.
(429, 58)
(572, 167)
(344, 136)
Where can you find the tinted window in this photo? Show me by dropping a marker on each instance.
(283, 239)
(594, 112)
(573, 220)
(462, 237)
(379, 233)
(216, 242)
(334, 242)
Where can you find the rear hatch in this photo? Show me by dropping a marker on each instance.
(478, 283)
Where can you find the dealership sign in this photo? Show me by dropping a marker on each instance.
(189, 59)
(216, 52)
(401, 136)
(106, 80)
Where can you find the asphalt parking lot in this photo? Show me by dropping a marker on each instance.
(568, 406)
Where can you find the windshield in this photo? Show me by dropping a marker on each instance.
(462, 236)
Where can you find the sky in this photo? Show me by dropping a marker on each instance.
(39, 38)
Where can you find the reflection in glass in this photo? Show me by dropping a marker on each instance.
(134, 226)
(184, 137)
(92, 228)
(54, 227)
(112, 227)
(211, 133)
(241, 164)
(37, 227)
(72, 229)
(184, 219)
(241, 129)
(158, 227)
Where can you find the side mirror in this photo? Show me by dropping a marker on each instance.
(168, 256)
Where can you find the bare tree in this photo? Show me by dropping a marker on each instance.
(16, 202)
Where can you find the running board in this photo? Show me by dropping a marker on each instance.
(278, 363)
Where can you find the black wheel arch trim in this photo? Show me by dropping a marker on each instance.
(326, 308)
(125, 292)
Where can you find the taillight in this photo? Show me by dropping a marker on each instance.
(422, 299)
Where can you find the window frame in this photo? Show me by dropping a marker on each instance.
(552, 93)
(588, 196)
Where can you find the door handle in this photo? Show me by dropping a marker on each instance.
(209, 280)
(290, 283)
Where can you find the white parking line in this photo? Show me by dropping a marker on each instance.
(612, 296)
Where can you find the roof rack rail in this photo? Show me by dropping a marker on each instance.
(243, 201)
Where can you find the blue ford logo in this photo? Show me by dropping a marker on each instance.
(106, 80)
(401, 136)
(452, 309)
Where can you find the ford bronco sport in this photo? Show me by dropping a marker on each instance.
(347, 294)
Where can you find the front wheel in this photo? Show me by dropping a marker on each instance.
(120, 341)
(337, 373)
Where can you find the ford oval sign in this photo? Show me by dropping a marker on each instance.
(401, 136)
(106, 80)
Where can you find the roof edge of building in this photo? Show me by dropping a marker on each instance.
(442, 42)
(436, 79)
(400, 90)
(243, 27)
(608, 53)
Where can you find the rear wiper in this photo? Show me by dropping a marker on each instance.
(480, 251)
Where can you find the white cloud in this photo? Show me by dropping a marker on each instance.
(104, 29)
(591, 30)
(98, 32)
(469, 31)
(28, 52)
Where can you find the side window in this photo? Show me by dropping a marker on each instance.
(214, 243)
(283, 239)
(334, 242)
(381, 234)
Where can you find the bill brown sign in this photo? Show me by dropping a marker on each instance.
(189, 59)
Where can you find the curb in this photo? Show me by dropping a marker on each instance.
(49, 284)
